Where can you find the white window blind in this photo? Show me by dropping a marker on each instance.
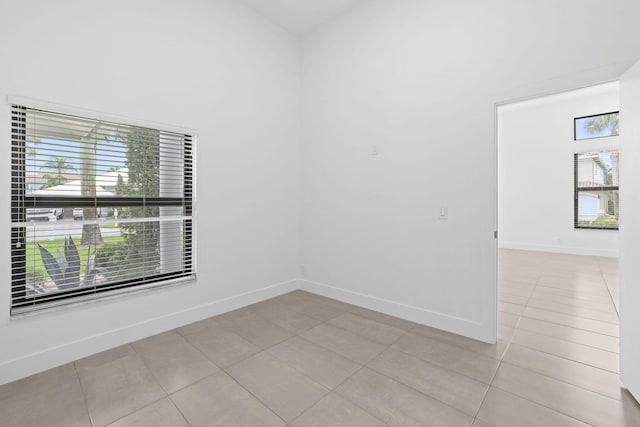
(96, 207)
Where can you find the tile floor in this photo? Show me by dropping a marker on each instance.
(305, 360)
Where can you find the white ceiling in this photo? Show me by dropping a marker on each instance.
(300, 16)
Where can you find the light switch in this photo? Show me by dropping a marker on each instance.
(444, 212)
(374, 150)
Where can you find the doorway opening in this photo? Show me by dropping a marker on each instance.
(558, 240)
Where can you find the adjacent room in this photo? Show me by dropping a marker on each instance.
(320, 213)
(558, 226)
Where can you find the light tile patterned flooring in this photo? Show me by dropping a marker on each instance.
(305, 360)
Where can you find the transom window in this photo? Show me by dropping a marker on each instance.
(596, 126)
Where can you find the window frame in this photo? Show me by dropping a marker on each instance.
(20, 302)
(577, 190)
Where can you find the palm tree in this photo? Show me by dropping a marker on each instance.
(597, 125)
(91, 234)
(60, 166)
(31, 145)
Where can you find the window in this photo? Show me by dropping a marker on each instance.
(96, 207)
(596, 126)
(597, 202)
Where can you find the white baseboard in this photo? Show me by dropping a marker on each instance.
(558, 249)
(456, 325)
(30, 364)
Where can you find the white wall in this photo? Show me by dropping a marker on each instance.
(630, 227)
(535, 172)
(420, 79)
(211, 66)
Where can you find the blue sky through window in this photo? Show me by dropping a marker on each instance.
(581, 129)
(109, 155)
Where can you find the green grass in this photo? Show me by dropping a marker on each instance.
(34, 260)
(602, 221)
(109, 226)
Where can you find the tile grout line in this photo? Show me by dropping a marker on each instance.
(565, 341)
(263, 350)
(560, 380)
(84, 396)
(564, 358)
(444, 368)
(306, 376)
(289, 366)
(429, 397)
(595, 302)
(486, 393)
(598, 314)
(344, 397)
(220, 368)
(574, 295)
(544, 406)
(361, 366)
(517, 325)
(554, 310)
(300, 371)
(545, 352)
(144, 406)
(535, 287)
(390, 347)
(254, 396)
(188, 385)
(560, 339)
(144, 363)
(563, 324)
(223, 370)
(359, 370)
(568, 327)
(606, 285)
(179, 410)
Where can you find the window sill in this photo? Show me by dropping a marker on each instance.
(57, 306)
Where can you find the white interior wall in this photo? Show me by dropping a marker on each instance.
(630, 236)
(420, 80)
(536, 172)
(211, 66)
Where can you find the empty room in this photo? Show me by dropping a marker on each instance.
(320, 213)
